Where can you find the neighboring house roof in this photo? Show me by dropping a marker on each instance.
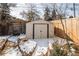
(17, 20)
(14, 20)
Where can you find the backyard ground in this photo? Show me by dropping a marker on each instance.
(28, 47)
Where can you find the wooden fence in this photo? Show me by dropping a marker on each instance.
(69, 27)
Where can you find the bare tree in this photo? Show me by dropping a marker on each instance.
(53, 11)
(31, 14)
(46, 14)
(54, 14)
(60, 11)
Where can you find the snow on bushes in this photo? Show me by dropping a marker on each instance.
(12, 52)
(40, 51)
(28, 47)
(2, 42)
(11, 47)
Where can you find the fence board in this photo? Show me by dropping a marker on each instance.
(71, 28)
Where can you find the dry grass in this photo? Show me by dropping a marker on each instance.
(65, 50)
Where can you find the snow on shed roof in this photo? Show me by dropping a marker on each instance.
(40, 21)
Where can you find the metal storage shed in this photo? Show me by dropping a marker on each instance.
(39, 29)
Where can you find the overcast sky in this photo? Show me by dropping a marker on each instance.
(15, 11)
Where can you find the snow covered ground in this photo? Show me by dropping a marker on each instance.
(44, 44)
(42, 47)
(36, 47)
(13, 38)
(21, 36)
(4, 37)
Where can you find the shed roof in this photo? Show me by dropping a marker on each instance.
(40, 21)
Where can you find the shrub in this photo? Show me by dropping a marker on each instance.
(59, 50)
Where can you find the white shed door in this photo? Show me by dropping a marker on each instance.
(40, 31)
